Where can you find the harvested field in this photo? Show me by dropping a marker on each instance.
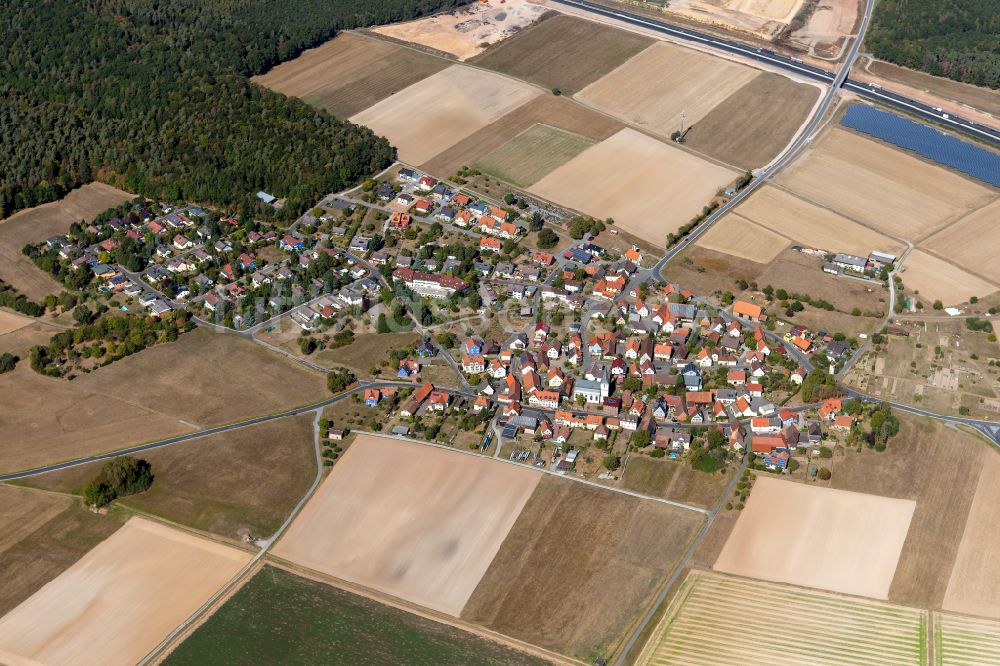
(674, 480)
(20, 340)
(409, 520)
(532, 154)
(742, 238)
(972, 241)
(41, 222)
(240, 482)
(935, 279)
(366, 351)
(870, 181)
(120, 600)
(278, 617)
(563, 52)
(969, 641)
(813, 226)
(549, 110)
(827, 539)
(648, 187)
(974, 586)
(719, 621)
(752, 126)
(430, 116)
(350, 72)
(653, 88)
(12, 321)
(23, 511)
(43, 546)
(202, 379)
(466, 31)
(580, 567)
(938, 468)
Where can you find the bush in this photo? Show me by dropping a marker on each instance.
(825, 473)
(657, 453)
(793, 464)
(7, 362)
(825, 452)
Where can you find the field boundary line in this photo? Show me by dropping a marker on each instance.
(386, 599)
(250, 566)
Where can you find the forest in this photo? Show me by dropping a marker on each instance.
(957, 40)
(154, 97)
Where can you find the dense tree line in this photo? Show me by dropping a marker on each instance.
(959, 40)
(154, 97)
(15, 300)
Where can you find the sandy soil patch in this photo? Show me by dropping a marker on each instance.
(740, 237)
(751, 126)
(41, 222)
(23, 511)
(648, 187)
(564, 52)
(466, 31)
(11, 321)
(416, 522)
(438, 112)
(871, 181)
(120, 600)
(813, 226)
(827, 539)
(350, 72)
(580, 567)
(974, 586)
(935, 279)
(827, 25)
(548, 109)
(654, 87)
(762, 18)
(971, 242)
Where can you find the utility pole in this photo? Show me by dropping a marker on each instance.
(682, 122)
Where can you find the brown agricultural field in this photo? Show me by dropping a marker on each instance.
(738, 236)
(12, 321)
(648, 187)
(203, 379)
(653, 88)
(41, 222)
(813, 226)
(935, 279)
(548, 109)
(240, 482)
(974, 586)
(120, 600)
(870, 181)
(827, 539)
(751, 126)
(939, 468)
(956, 243)
(465, 31)
(563, 52)
(580, 567)
(674, 480)
(413, 521)
(350, 72)
(428, 117)
(39, 542)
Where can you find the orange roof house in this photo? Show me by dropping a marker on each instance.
(748, 311)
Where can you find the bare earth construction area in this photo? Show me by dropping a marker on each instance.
(419, 523)
(647, 186)
(830, 539)
(114, 605)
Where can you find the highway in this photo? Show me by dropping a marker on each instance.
(797, 66)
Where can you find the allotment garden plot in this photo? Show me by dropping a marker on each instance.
(717, 620)
(827, 539)
(119, 601)
(427, 117)
(416, 522)
(648, 187)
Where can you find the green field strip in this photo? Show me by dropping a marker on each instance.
(721, 621)
(966, 641)
(533, 154)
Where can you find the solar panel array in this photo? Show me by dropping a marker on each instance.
(925, 141)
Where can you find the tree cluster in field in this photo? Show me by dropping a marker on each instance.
(339, 379)
(154, 98)
(581, 226)
(959, 40)
(819, 384)
(8, 362)
(15, 300)
(106, 340)
(882, 423)
(119, 477)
